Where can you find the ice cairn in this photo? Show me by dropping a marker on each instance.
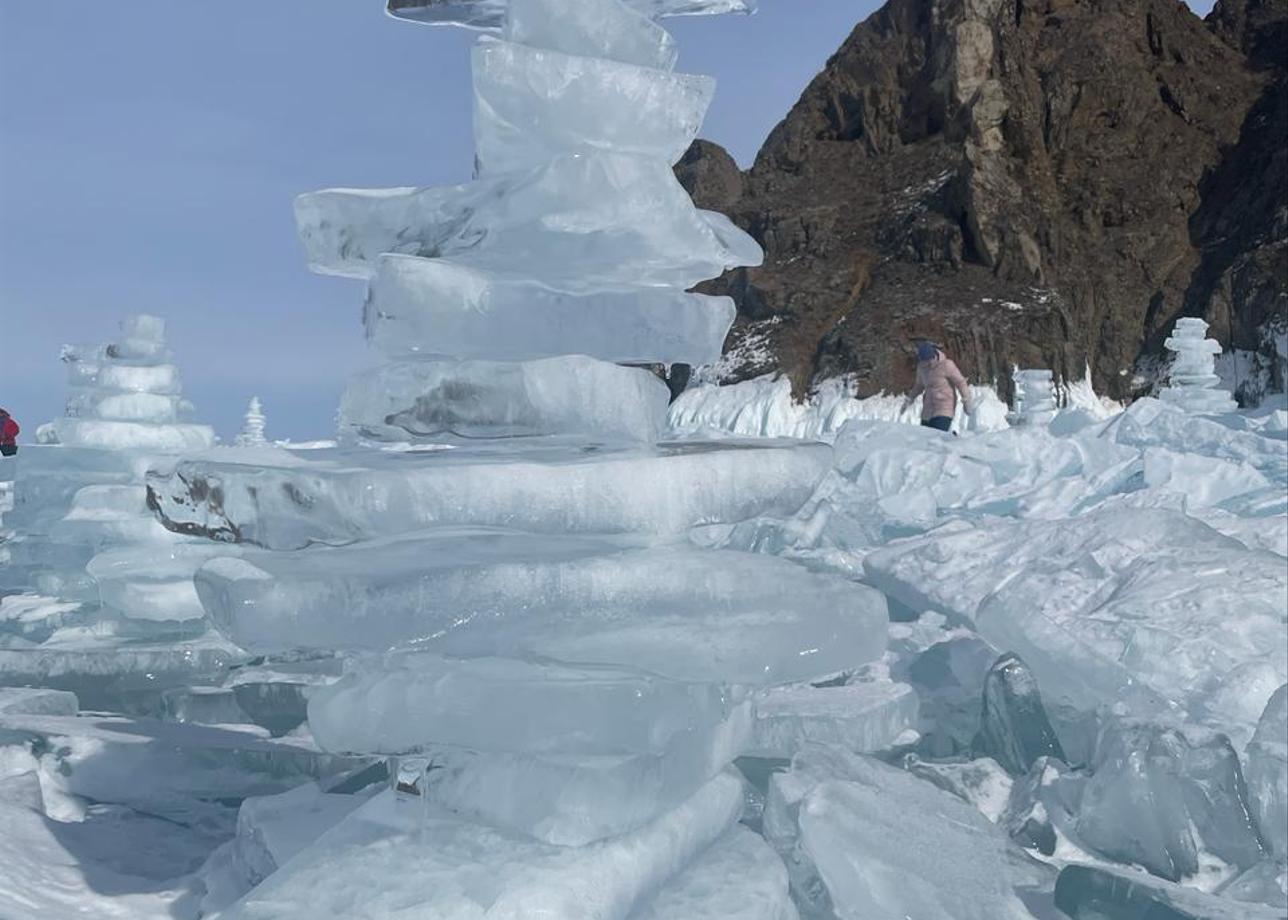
(252, 433)
(1035, 403)
(1192, 375)
(104, 582)
(498, 546)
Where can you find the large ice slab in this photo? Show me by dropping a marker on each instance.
(153, 582)
(571, 395)
(579, 223)
(1164, 798)
(108, 673)
(887, 844)
(270, 830)
(532, 105)
(440, 307)
(163, 767)
(614, 30)
(383, 858)
(862, 716)
(109, 434)
(339, 496)
(405, 703)
(863, 839)
(491, 14)
(684, 613)
(37, 701)
(737, 878)
(1096, 893)
(1267, 773)
(570, 799)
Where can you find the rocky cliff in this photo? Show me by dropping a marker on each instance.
(1035, 182)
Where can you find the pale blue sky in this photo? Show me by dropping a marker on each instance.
(150, 149)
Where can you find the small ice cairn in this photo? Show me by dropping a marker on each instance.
(127, 395)
(125, 414)
(1035, 403)
(1192, 375)
(252, 433)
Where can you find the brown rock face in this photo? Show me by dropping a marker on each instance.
(1037, 182)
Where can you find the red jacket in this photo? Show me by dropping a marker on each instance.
(9, 431)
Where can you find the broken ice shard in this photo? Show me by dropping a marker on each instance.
(1092, 893)
(1267, 773)
(1014, 729)
(1159, 797)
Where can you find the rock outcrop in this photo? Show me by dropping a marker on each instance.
(1048, 183)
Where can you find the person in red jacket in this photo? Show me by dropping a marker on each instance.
(8, 435)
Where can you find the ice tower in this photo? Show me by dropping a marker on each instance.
(1192, 375)
(499, 546)
(252, 433)
(104, 581)
(1035, 402)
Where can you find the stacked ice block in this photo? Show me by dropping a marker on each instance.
(1035, 403)
(500, 547)
(1193, 379)
(110, 574)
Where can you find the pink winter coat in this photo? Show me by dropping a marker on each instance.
(940, 381)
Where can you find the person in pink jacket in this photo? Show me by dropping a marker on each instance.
(939, 382)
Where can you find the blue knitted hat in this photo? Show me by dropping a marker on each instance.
(926, 351)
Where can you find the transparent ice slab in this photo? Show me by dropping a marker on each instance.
(685, 613)
(576, 799)
(612, 30)
(440, 307)
(423, 399)
(390, 853)
(1103, 893)
(111, 674)
(862, 716)
(1267, 773)
(578, 224)
(532, 105)
(338, 496)
(162, 767)
(155, 408)
(119, 436)
(404, 703)
(1164, 799)
(739, 877)
(887, 844)
(37, 701)
(490, 14)
(153, 582)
